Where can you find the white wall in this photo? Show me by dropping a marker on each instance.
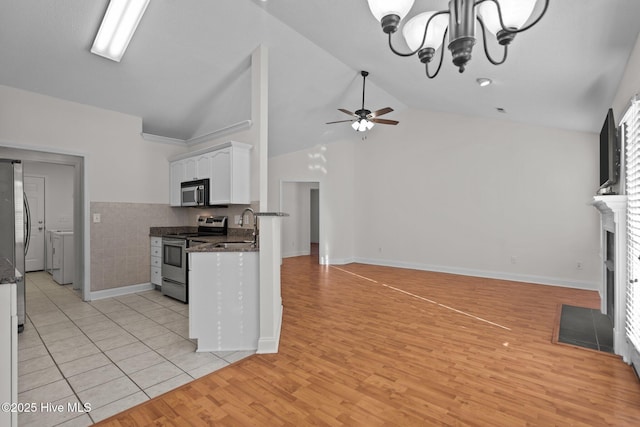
(454, 193)
(296, 229)
(630, 84)
(121, 166)
(332, 167)
(58, 191)
(478, 196)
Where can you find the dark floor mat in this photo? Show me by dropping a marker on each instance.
(585, 327)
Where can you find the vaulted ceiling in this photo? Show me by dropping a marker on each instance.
(186, 71)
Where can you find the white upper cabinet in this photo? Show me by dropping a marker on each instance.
(203, 166)
(228, 167)
(191, 169)
(220, 190)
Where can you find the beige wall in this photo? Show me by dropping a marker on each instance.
(127, 177)
(120, 165)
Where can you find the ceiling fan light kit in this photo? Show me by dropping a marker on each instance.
(427, 31)
(365, 119)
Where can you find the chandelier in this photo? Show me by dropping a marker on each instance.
(426, 32)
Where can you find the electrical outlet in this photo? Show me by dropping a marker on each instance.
(514, 259)
(237, 219)
(579, 265)
(96, 217)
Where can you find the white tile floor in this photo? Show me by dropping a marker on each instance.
(111, 354)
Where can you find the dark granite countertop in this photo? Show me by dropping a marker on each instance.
(207, 243)
(7, 271)
(161, 231)
(272, 214)
(211, 246)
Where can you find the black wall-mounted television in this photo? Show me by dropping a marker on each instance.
(609, 152)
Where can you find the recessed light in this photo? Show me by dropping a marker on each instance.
(483, 81)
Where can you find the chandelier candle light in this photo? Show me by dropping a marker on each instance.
(426, 32)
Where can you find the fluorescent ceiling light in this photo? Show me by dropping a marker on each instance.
(119, 23)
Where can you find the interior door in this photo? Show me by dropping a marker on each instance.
(34, 190)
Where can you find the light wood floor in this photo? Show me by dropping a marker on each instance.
(366, 345)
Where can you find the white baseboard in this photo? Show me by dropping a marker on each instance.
(297, 253)
(539, 280)
(338, 261)
(122, 290)
(634, 358)
(269, 345)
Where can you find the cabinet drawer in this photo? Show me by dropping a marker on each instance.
(156, 276)
(156, 241)
(156, 261)
(156, 251)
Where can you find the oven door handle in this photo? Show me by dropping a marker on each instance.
(174, 242)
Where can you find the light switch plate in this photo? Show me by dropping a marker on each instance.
(96, 217)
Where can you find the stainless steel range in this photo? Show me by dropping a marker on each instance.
(175, 263)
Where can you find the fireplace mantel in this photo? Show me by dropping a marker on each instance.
(613, 219)
(610, 204)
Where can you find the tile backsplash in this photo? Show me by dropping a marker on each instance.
(120, 253)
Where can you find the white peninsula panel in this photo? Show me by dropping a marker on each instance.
(224, 300)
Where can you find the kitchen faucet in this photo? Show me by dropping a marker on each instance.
(255, 225)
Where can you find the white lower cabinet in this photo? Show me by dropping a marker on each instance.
(224, 300)
(8, 353)
(156, 261)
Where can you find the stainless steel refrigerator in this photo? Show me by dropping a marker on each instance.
(14, 226)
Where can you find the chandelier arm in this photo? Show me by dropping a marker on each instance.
(486, 48)
(426, 65)
(424, 37)
(519, 30)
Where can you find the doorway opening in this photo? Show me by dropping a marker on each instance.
(314, 222)
(77, 219)
(302, 232)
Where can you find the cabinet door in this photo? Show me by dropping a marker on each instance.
(203, 166)
(191, 168)
(240, 175)
(220, 190)
(177, 174)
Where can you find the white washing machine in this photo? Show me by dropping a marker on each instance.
(62, 262)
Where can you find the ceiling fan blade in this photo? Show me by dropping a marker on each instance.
(385, 121)
(347, 112)
(339, 121)
(379, 112)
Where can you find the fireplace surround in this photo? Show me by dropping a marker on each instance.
(613, 253)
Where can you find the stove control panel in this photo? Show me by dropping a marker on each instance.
(212, 221)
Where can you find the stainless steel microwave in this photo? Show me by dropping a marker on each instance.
(195, 193)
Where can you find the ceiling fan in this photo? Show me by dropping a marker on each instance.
(364, 119)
